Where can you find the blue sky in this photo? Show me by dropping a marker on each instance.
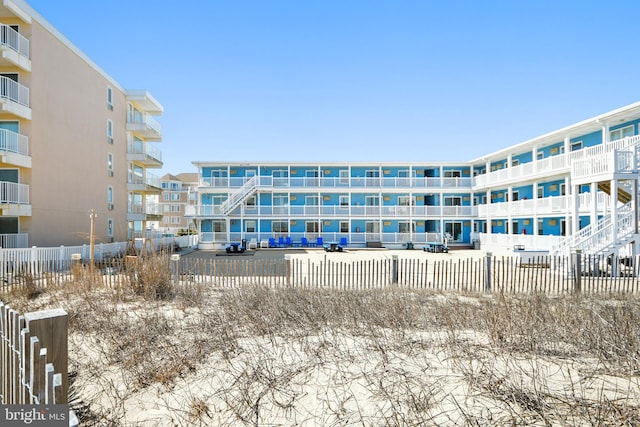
(359, 80)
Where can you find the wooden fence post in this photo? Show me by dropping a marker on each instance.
(577, 271)
(51, 328)
(488, 277)
(394, 269)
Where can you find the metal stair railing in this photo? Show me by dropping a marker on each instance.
(243, 193)
(598, 237)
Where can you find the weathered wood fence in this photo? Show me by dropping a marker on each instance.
(33, 356)
(550, 275)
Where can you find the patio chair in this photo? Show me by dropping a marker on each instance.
(319, 242)
(272, 242)
(304, 242)
(343, 241)
(288, 242)
(281, 242)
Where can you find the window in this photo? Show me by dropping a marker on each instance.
(250, 226)
(406, 227)
(577, 145)
(165, 219)
(175, 220)
(165, 208)
(540, 155)
(452, 174)
(175, 197)
(280, 200)
(621, 133)
(109, 128)
(344, 177)
(344, 226)
(406, 201)
(515, 162)
(344, 200)
(110, 163)
(452, 201)
(251, 202)
(109, 194)
(540, 192)
(515, 196)
(313, 227)
(280, 226)
(165, 196)
(110, 227)
(110, 98)
(175, 208)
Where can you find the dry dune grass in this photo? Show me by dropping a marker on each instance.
(192, 355)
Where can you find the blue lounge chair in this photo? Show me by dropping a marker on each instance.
(304, 242)
(288, 242)
(280, 242)
(319, 242)
(272, 242)
(343, 242)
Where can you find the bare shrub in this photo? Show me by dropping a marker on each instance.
(150, 276)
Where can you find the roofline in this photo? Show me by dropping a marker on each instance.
(585, 126)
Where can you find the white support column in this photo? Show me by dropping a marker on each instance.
(575, 197)
(567, 144)
(614, 208)
(488, 218)
(509, 227)
(605, 133)
(594, 203)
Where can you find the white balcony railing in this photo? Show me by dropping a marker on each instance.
(14, 91)
(145, 209)
(338, 182)
(146, 149)
(544, 206)
(353, 238)
(339, 211)
(549, 165)
(14, 240)
(12, 192)
(14, 40)
(13, 142)
(146, 120)
(147, 179)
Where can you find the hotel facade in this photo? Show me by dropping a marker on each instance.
(571, 189)
(74, 144)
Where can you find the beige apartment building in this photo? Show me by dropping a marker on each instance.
(178, 193)
(72, 141)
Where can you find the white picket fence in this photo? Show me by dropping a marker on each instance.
(37, 260)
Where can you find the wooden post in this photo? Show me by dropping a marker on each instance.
(92, 217)
(394, 269)
(488, 278)
(51, 328)
(577, 271)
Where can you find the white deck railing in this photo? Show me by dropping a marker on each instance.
(14, 91)
(12, 192)
(14, 40)
(359, 239)
(145, 119)
(147, 149)
(13, 142)
(339, 182)
(339, 211)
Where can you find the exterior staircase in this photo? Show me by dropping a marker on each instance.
(247, 190)
(602, 164)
